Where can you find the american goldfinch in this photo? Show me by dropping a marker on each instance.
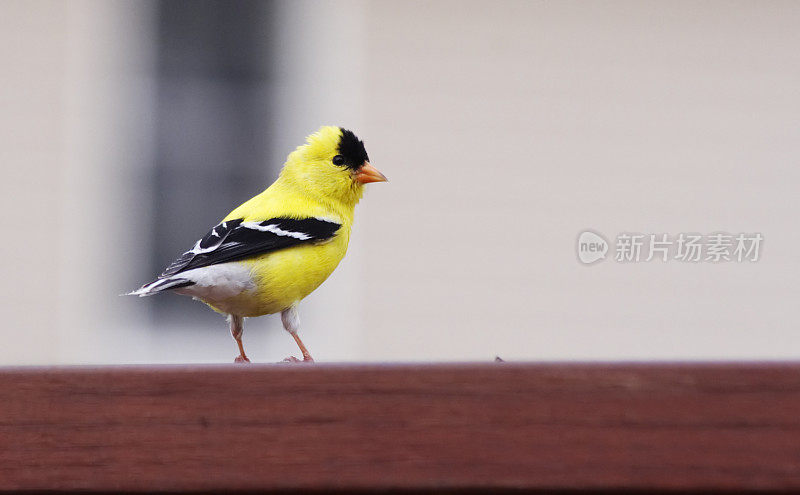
(275, 249)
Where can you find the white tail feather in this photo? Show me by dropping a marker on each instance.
(159, 285)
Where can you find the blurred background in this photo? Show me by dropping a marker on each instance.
(128, 128)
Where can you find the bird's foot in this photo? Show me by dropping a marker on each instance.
(241, 359)
(292, 359)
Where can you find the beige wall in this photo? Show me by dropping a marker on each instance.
(506, 128)
(74, 105)
(31, 139)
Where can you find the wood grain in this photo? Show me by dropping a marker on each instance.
(281, 427)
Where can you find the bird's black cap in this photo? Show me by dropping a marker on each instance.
(352, 149)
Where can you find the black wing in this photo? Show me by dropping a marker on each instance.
(235, 239)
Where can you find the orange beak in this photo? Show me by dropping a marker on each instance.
(367, 173)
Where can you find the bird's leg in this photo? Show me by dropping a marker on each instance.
(291, 322)
(237, 328)
(306, 355)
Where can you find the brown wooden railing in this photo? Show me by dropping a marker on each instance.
(417, 428)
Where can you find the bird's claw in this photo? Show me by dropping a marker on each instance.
(241, 360)
(292, 359)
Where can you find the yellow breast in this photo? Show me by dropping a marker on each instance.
(284, 277)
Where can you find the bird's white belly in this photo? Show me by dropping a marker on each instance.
(218, 284)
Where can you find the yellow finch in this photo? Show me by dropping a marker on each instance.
(276, 248)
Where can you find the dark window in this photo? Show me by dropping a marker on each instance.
(212, 123)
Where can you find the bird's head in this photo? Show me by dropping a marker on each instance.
(333, 163)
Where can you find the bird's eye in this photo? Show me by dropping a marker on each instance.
(338, 160)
